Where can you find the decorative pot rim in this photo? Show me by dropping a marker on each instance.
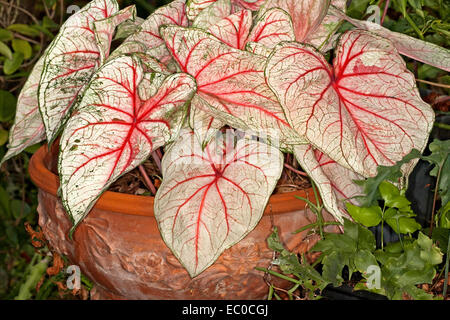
(138, 205)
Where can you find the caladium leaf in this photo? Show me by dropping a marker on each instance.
(259, 49)
(416, 49)
(231, 82)
(364, 112)
(104, 29)
(28, 128)
(323, 37)
(147, 39)
(253, 5)
(273, 27)
(212, 198)
(195, 7)
(335, 182)
(69, 63)
(204, 125)
(115, 128)
(234, 29)
(213, 14)
(306, 15)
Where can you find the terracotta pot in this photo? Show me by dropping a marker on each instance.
(119, 247)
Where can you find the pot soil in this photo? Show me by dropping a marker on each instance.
(119, 247)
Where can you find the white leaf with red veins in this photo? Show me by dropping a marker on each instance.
(104, 29)
(253, 5)
(213, 14)
(147, 39)
(234, 29)
(211, 199)
(273, 27)
(335, 182)
(204, 125)
(258, 49)
(323, 37)
(28, 128)
(306, 15)
(232, 83)
(195, 7)
(416, 49)
(69, 63)
(364, 112)
(114, 130)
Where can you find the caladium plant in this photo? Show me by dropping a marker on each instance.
(191, 69)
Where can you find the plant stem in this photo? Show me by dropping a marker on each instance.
(147, 180)
(382, 228)
(157, 159)
(386, 6)
(438, 178)
(441, 85)
(442, 126)
(279, 275)
(295, 170)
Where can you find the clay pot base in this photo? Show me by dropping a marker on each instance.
(125, 256)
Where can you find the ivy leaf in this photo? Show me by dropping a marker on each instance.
(429, 252)
(439, 156)
(363, 260)
(401, 222)
(367, 216)
(207, 202)
(391, 196)
(391, 173)
(332, 268)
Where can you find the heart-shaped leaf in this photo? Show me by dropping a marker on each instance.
(201, 122)
(231, 82)
(364, 112)
(116, 127)
(234, 29)
(147, 39)
(335, 182)
(273, 27)
(195, 7)
(306, 15)
(211, 199)
(104, 29)
(323, 37)
(28, 128)
(416, 49)
(69, 63)
(213, 14)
